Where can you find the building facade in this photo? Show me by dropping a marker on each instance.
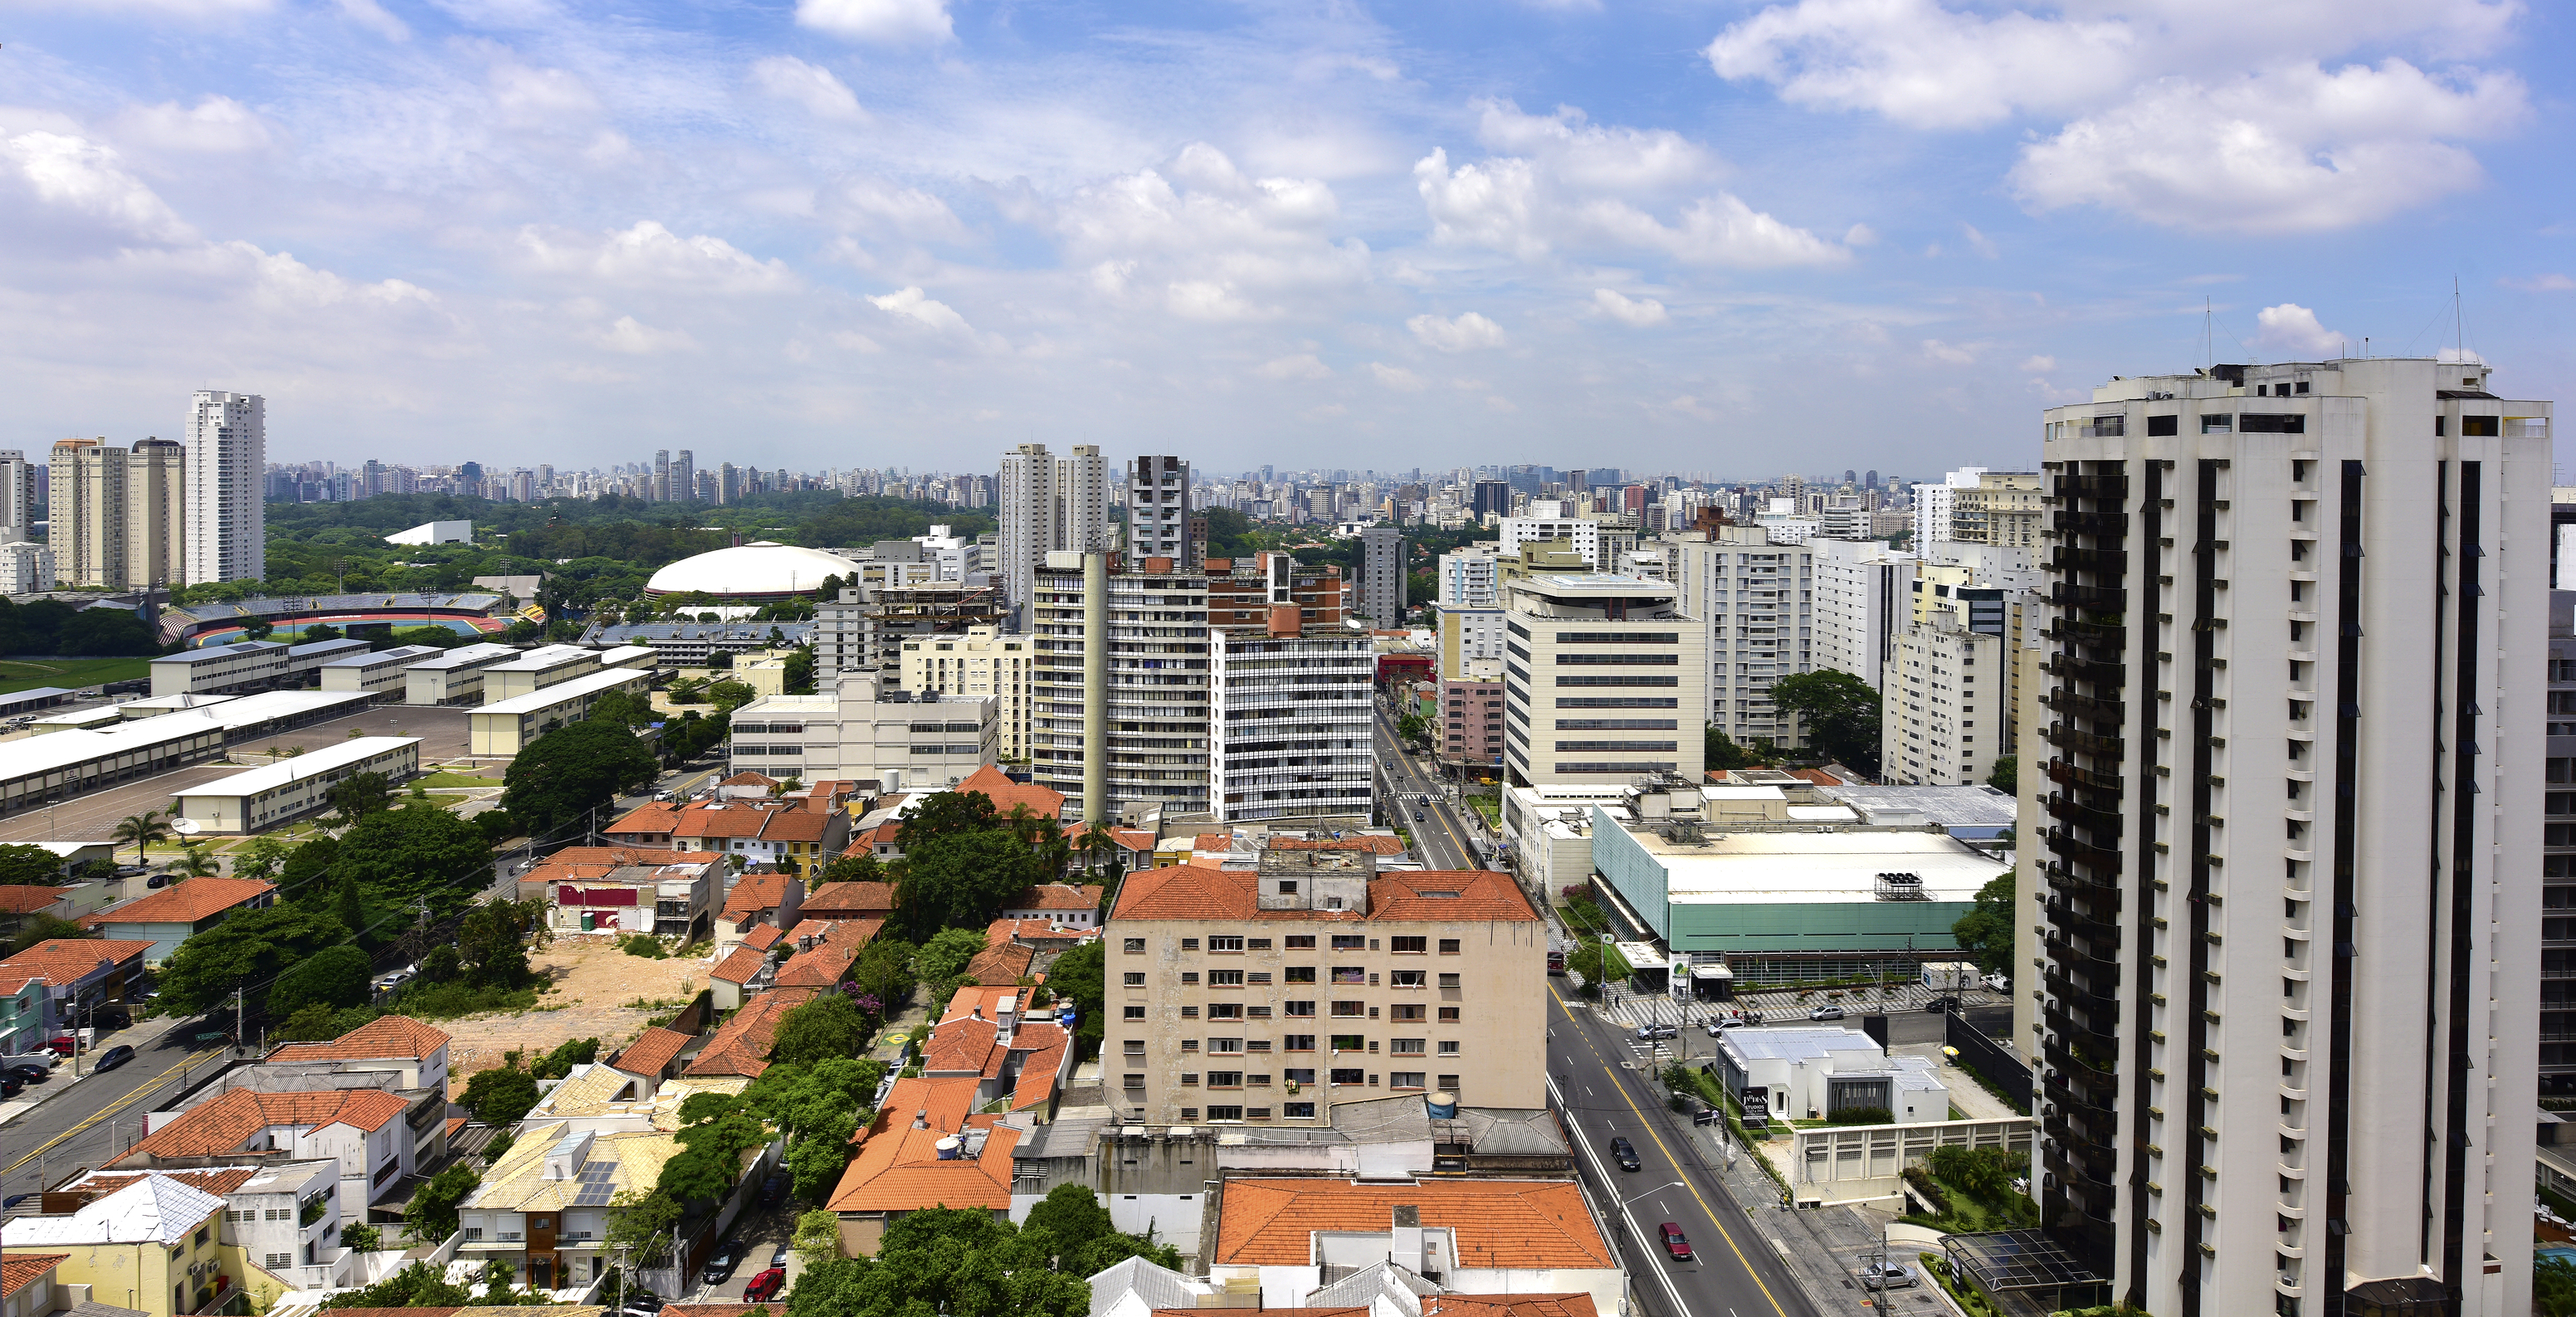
(155, 511)
(87, 524)
(2558, 858)
(1289, 725)
(1048, 503)
(226, 521)
(982, 662)
(2002, 508)
(1155, 683)
(1753, 604)
(1382, 576)
(1467, 578)
(2295, 605)
(1942, 713)
(1471, 718)
(1860, 605)
(1159, 511)
(1604, 680)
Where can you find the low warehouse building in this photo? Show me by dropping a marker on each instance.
(454, 677)
(36, 769)
(266, 797)
(536, 670)
(502, 730)
(376, 673)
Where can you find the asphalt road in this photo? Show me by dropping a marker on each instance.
(83, 1124)
(1408, 786)
(1735, 1272)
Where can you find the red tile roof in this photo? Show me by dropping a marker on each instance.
(741, 1046)
(653, 820)
(218, 1183)
(997, 786)
(62, 961)
(897, 1168)
(27, 898)
(823, 965)
(21, 1270)
(727, 821)
(740, 966)
(761, 937)
(1045, 931)
(226, 1123)
(1002, 964)
(653, 1051)
(1449, 894)
(1183, 891)
(388, 1036)
(1134, 839)
(184, 902)
(757, 892)
(1508, 1305)
(747, 778)
(1057, 896)
(1045, 1045)
(1533, 1224)
(848, 901)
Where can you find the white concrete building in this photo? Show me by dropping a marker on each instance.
(1603, 680)
(1799, 1072)
(1381, 583)
(241, 665)
(1583, 534)
(1860, 605)
(536, 669)
(1159, 510)
(1467, 578)
(984, 661)
(1753, 602)
(1942, 713)
(227, 521)
(85, 483)
(867, 728)
(1289, 730)
(1935, 503)
(1048, 503)
(502, 728)
(453, 677)
(375, 673)
(155, 502)
(267, 797)
(1469, 636)
(2288, 1023)
(17, 496)
(435, 532)
(26, 567)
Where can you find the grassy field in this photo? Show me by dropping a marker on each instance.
(25, 674)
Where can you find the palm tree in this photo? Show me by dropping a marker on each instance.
(1097, 838)
(194, 862)
(142, 829)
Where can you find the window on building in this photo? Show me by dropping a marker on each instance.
(1223, 942)
(1449, 1082)
(1225, 978)
(1297, 1110)
(1349, 942)
(1407, 978)
(1135, 946)
(1135, 1013)
(1350, 1009)
(1297, 974)
(1406, 1046)
(1189, 944)
(1448, 946)
(1449, 1047)
(1297, 1042)
(1405, 1079)
(1403, 946)
(1349, 1077)
(1404, 1013)
(1350, 1042)
(1225, 1010)
(1135, 978)
(1297, 1008)
(1298, 942)
(1448, 1015)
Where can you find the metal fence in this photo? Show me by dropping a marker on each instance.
(1988, 1058)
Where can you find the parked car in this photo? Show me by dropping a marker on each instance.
(1998, 983)
(1647, 1033)
(1417, 816)
(1675, 1242)
(643, 1301)
(112, 1058)
(130, 871)
(1624, 1153)
(1885, 1275)
(64, 1045)
(1826, 1013)
(158, 880)
(14, 1201)
(778, 1257)
(1940, 1005)
(720, 1264)
(773, 1191)
(1556, 963)
(11, 1086)
(764, 1286)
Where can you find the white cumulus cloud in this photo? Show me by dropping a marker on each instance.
(650, 255)
(1301, 366)
(2294, 327)
(1955, 354)
(1396, 377)
(214, 125)
(886, 22)
(1463, 333)
(82, 177)
(1637, 311)
(912, 304)
(817, 89)
(629, 335)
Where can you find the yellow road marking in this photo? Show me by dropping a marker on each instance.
(1649, 1127)
(112, 1108)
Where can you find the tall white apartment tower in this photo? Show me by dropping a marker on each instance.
(2279, 913)
(227, 525)
(1049, 503)
(17, 496)
(1933, 504)
(1082, 500)
(1754, 604)
(1158, 510)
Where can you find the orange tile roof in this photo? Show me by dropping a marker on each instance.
(653, 820)
(1134, 839)
(653, 1051)
(997, 786)
(21, 1270)
(963, 1047)
(223, 1125)
(1003, 964)
(218, 1183)
(848, 901)
(761, 937)
(388, 1036)
(27, 898)
(730, 820)
(1508, 1305)
(747, 778)
(1057, 896)
(793, 824)
(866, 840)
(823, 965)
(741, 1046)
(62, 961)
(1045, 1045)
(184, 902)
(897, 1168)
(1356, 842)
(740, 966)
(1474, 895)
(1184, 891)
(755, 893)
(1535, 1224)
(1214, 841)
(1033, 930)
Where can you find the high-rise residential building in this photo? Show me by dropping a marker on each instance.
(2301, 605)
(1934, 504)
(87, 524)
(1289, 721)
(1158, 511)
(1155, 682)
(155, 512)
(18, 500)
(1271, 995)
(2558, 858)
(26, 568)
(1382, 577)
(1582, 533)
(1752, 601)
(1048, 503)
(1467, 577)
(662, 475)
(1860, 605)
(1493, 498)
(983, 662)
(1942, 712)
(226, 524)
(2002, 508)
(684, 476)
(1604, 680)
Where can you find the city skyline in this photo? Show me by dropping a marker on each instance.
(869, 229)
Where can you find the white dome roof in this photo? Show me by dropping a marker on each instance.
(752, 569)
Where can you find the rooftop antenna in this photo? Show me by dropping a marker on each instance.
(2208, 346)
(2459, 325)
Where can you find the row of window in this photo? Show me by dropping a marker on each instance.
(1305, 1042)
(1135, 1083)
(1347, 975)
(1230, 943)
(1305, 1010)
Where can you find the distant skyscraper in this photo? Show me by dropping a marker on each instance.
(155, 514)
(1048, 503)
(684, 477)
(1382, 576)
(1158, 511)
(1493, 498)
(17, 496)
(662, 475)
(226, 525)
(88, 524)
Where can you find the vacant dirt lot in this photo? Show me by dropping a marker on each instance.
(593, 984)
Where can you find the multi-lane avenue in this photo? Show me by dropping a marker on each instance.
(1417, 801)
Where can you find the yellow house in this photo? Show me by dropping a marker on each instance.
(155, 1246)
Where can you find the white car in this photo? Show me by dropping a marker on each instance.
(1998, 983)
(1886, 1276)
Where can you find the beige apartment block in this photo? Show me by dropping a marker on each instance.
(984, 661)
(2003, 508)
(1265, 996)
(87, 479)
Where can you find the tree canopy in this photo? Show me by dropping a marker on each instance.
(50, 626)
(564, 774)
(828, 1028)
(945, 955)
(29, 866)
(500, 1095)
(360, 794)
(419, 855)
(957, 1261)
(1080, 974)
(248, 949)
(1837, 712)
(334, 977)
(1985, 933)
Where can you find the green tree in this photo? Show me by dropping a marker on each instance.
(419, 1285)
(559, 1063)
(431, 1214)
(500, 1096)
(947, 814)
(946, 954)
(360, 1237)
(1081, 973)
(1072, 1214)
(307, 864)
(46, 928)
(262, 859)
(625, 709)
(1837, 712)
(728, 696)
(350, 906)
(415, 857)
(2006, 776)
(800, 670)
(566, 773)
(141, 829)
(961, 1262)
(319, 1023)
(1723, 752)
(825, 1029)
(884, 971)
(333, 977)
(195, 861)
(2553, 1287)
(962, 881)
(250, 948)
(1985, 933)
(818, 1237)
(640, 1225)
(852, 869)
(29, 866)
(360, 794)
(1412, 726)
(492, 945)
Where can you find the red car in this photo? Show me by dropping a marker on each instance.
(63, 1046)
(1674, 1243)
(764, 1287)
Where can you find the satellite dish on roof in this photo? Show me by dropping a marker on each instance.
(185, 827)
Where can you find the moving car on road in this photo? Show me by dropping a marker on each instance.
(112, 1058)
(1826, 1013)
(1647, 1033)
(1624, 1153)
(1675, 1242)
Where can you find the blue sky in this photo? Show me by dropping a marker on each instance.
(1731, 238)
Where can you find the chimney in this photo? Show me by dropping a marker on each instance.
(921, 1119)
(1284, 620)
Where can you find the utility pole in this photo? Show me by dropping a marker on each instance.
(237, 1019)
